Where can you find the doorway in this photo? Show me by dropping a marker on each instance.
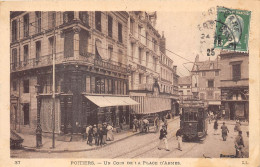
(26, 114)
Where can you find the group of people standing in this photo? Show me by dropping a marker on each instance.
(99, 133)
(239, 141)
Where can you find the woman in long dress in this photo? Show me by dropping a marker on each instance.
(110, 136)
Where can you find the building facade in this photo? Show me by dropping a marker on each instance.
(205, 77)
(91, 71)
(153, 91)
(184, 84)
(234, 84)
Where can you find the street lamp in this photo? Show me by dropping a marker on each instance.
(38, 129)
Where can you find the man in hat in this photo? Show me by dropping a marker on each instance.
(163, 138)
(135, 124)
(179, 135)
(239, 144)
(95, 134)
(224, 131)
(104, 128)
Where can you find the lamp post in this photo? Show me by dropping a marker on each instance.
(38, 129)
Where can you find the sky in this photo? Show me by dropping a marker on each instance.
(183, 36)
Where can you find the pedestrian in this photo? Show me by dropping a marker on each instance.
(237, 127)
(100, 136)
(165, 122)
(179, 135)
(141, 123)
(239, 144)
(216, 127)
(225, 131)
(135, 124)
(223, 114)
(104, 128)
(90, 135)
(146, 125)
(87, 129)
(95, 134)
(110, 136)
(163, 138)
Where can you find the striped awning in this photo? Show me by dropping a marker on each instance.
(108, 101)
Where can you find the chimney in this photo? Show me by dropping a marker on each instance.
(163, 43)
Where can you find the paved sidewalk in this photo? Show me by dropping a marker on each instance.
(29, 143)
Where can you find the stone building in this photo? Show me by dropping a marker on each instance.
(234, 84)
(146, 85)
(184, 84)
(205, 77)
(91, 71)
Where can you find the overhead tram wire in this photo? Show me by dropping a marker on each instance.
(114, 51)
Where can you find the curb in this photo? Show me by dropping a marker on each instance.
(33, 149)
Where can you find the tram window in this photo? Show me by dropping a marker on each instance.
(186, 116)
(190, 116)
(195, 116)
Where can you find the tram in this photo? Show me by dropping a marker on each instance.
(194, 120)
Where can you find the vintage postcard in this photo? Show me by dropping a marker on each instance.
(130, 83)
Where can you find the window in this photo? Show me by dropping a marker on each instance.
(210, 95)
(84, 17)
(146, 37)
(110, 26)
(26, 86)
(217, 96)
(216, 73)
(26, 25)
(139, 32)
(50, 46)
(38, 50)
(14, 86)
(188, 90)
(147, 79)
(188, 86)
(155, 45)
(204, 73)
(51, 19)
(68, 17)
(140, 79)
(132, 51)
(14, 58)
(120, 57)
(14, 30)
(154, 63)
(236, 72)
(110, 53)
(147, 59)
(38, 21)
(98, 20)
(132, 26)
(211, 83)
(120, 37)
(25, 54)
(140, 55)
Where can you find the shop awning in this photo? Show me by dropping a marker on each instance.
(108, 101)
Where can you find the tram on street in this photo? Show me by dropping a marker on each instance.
(193, 121)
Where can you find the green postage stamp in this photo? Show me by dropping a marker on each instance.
(232, 29)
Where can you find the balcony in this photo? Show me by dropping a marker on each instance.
(43, 61)
(147, 87)
(234, 83)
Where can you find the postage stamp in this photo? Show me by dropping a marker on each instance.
(232, 29)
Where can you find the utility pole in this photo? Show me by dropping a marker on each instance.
(53, 88)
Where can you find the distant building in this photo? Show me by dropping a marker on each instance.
(205, 77)
(234, 84)
(146, 50)
(184, 84)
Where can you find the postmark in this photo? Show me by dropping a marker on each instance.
(232, 29)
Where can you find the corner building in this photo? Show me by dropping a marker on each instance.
(91, 72)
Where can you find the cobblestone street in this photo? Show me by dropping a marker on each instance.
(145, 146)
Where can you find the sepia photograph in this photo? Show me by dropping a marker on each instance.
(143, 85)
